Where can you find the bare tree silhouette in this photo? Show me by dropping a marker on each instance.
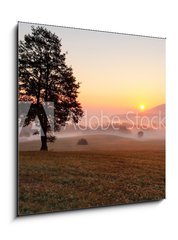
(45, 77)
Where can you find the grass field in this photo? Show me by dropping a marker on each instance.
(65, 180)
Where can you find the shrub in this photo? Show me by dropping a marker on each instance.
(82, 141)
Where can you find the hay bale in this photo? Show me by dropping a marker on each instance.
(82, 141)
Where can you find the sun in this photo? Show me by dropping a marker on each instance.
(142, 107)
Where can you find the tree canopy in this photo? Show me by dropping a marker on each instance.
(45, 77)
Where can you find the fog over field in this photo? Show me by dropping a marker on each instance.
(97, 142)
(151, 125)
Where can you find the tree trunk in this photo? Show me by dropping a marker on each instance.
(44, 146)
(44, 126)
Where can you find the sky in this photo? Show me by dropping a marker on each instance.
(117, 72)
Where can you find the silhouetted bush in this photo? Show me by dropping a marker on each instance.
(36, 132)
(140, 134)
(82, 141)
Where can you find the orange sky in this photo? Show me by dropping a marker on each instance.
(117, 72)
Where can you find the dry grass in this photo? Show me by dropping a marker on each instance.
(57, 181)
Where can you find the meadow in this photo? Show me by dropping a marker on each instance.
(62, 179)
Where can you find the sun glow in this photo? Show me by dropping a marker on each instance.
(142, 107)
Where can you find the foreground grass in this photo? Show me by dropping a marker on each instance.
(57, 181)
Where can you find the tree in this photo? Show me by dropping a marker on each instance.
(45, 77)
